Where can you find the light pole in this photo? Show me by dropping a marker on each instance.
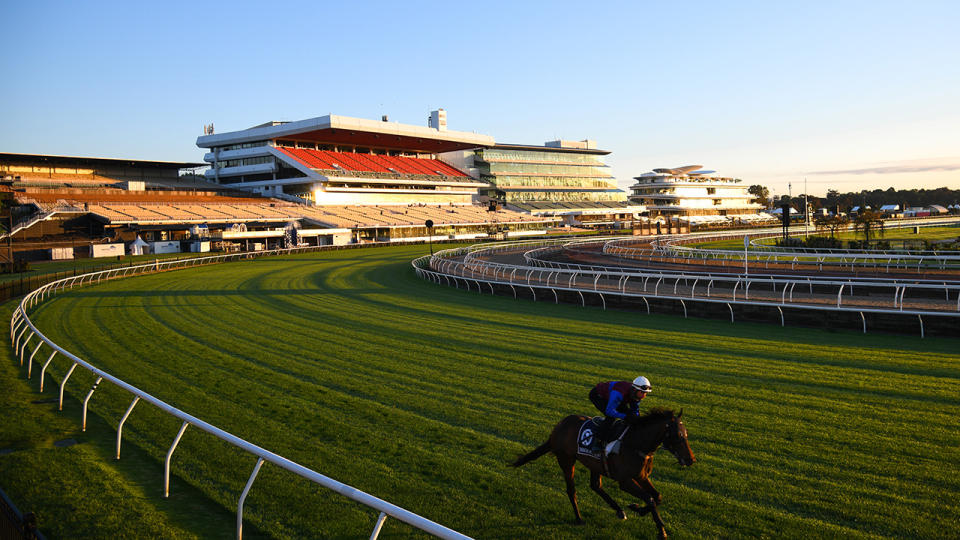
(429, 224)
(746, 242)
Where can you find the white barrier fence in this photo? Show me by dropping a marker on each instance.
(23, 331)
(476, 265)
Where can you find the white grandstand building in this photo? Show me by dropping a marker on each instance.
(696, 196)
(337, 160)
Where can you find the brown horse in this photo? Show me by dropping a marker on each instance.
(630, 467)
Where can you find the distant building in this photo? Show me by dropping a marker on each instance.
(558, 171)
(695, 195)
(567, 179)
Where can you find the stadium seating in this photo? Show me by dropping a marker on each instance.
(376, 163)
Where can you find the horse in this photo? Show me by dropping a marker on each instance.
(630, 467)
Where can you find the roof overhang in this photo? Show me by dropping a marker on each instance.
(333, 129)
(95, 161)
(557, 149)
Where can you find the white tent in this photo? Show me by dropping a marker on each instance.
(136, 247)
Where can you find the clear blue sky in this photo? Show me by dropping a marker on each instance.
(847, 94)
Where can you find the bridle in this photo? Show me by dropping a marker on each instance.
(675, 436)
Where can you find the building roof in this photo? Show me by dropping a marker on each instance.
(94, 161)
(505, 146)
(335, 129)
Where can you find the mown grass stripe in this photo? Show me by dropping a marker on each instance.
(348, 363)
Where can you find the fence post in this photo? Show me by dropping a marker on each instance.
(87, 400)
(166, 462)
(379, 525)
(122, 420)
(243, 497)
(44, 369)
(63, 383)
(30, 362)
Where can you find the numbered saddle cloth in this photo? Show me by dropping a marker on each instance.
(588, 443)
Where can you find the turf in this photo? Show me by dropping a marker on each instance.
(420, 394)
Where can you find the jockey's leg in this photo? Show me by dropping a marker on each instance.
(606, 430)
(596, 484)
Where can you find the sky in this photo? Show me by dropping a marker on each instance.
(842, 95)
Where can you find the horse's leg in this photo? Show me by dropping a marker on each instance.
(568, 465)
(632, 487)
(596, 484)
(648, 487)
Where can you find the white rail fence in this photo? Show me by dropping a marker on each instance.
(23, 332)
(477, 267)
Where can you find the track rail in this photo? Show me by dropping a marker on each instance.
(555, 269)
(23, 332)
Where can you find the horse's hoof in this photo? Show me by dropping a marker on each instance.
(662, 535)
(621, 514)
(579, 522)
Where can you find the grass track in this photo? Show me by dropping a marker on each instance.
(347, 363)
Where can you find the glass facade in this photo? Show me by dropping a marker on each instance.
(535, 174)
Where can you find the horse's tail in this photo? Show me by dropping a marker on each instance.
(539, 451)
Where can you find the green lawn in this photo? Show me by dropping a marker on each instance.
(80, 266)
(420, 394)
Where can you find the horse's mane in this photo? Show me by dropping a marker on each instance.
(656, 414)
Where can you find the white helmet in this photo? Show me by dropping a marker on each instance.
(641, 383)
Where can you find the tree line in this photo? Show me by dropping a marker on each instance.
(876, 198)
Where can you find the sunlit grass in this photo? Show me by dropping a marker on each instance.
(419, 394)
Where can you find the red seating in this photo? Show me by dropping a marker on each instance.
(359, 162)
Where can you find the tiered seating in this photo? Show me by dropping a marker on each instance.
(203, 211)
(141, 212)
(173, 212)
(379, 163)
(238, 211)
(109, 213)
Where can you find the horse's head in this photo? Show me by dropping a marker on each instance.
(676, 441)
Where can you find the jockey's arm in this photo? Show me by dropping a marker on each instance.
(613, 403)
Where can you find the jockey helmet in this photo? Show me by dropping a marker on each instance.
(641, 383)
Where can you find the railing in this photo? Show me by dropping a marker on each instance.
(869, 259)
(23, 331)
(476, 265)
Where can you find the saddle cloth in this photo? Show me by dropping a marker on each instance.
(588, 443)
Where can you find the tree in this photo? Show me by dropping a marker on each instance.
(760, 193)
(829, 223)
(866, 222)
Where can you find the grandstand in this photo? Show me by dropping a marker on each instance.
(41, 170)
(336, 160)
(53, 217)
(334, 179)
(584, 213)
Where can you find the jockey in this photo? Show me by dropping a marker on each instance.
(617, 399)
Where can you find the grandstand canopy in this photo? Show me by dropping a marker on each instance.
(571, 150)
(335, 129)
(78, 161)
